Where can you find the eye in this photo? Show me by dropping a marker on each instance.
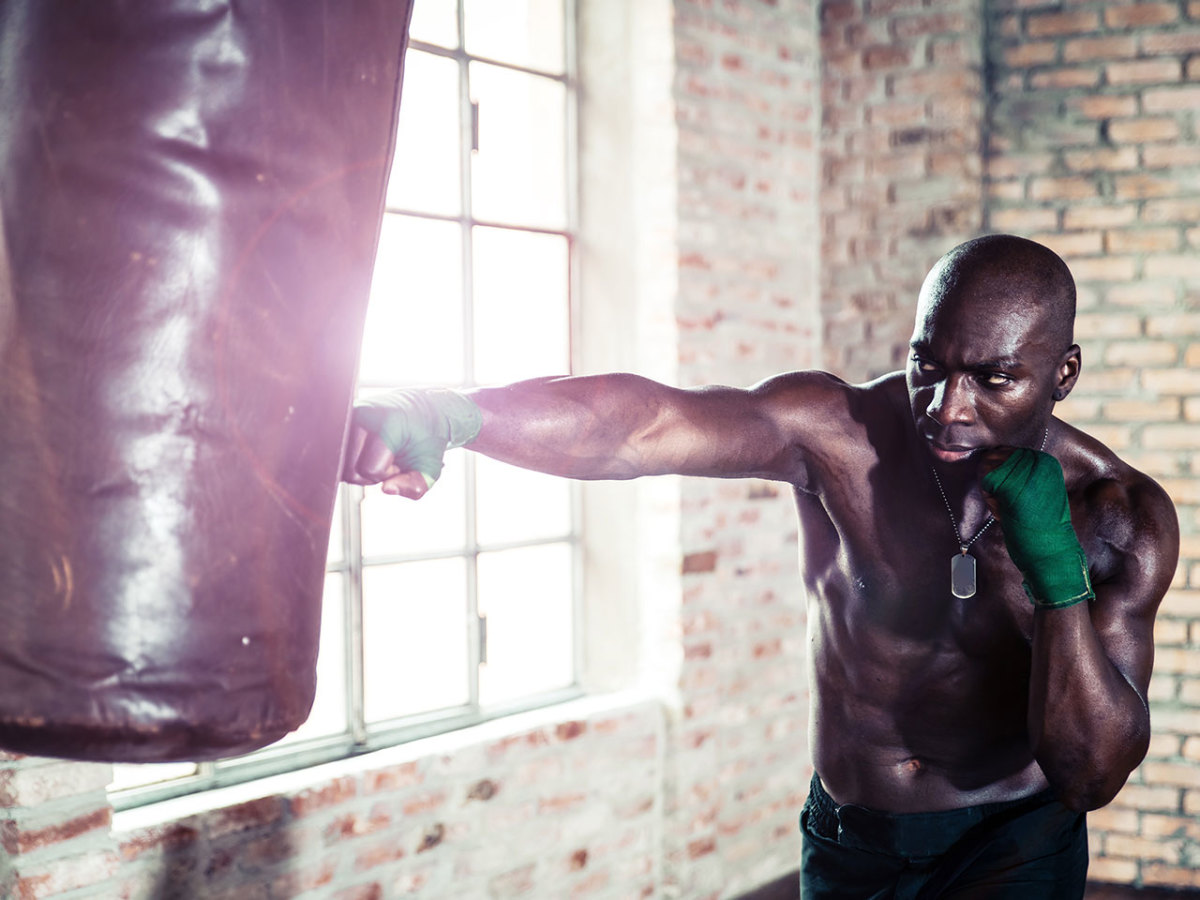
(923, 364)
(995, 379)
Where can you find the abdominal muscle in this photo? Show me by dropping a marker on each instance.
(902, 726)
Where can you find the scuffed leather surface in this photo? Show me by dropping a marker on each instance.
(191, 193)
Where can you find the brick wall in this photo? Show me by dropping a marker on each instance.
(745, 94)
(1075, 124)
(902, 165)
(556, 809)
(1093, 150)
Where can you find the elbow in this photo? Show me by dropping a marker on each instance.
(1089, 781)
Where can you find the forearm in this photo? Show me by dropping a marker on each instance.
(1089, 726)
(580, 427)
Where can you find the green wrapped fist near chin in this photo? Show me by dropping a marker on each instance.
(419, 425)
(1031, 496)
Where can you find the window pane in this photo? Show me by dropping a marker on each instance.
(414, 330)
(519, 173)
(395, 525)
(523, 32)
(518, 505)
(328, 716)
(526, 596)
(425, 176)
(414, 638)
(522, 321)
(434, 22)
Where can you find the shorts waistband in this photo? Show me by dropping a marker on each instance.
(903, 834)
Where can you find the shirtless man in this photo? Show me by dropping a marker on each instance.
(980, 616)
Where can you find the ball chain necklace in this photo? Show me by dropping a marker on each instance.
(963, 582)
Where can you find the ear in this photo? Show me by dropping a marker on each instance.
(1068, 372)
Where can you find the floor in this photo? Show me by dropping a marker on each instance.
(1124, 892)
(787, 888)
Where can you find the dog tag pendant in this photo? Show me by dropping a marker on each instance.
(962, 575)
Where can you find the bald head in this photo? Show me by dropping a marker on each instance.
(1010, 271)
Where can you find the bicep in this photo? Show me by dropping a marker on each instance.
(1144, 556)
(766, 431)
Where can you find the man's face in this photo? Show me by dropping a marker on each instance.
(983, 370)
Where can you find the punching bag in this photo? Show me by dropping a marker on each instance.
(190, 194)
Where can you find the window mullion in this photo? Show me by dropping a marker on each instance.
(468, 133)
(355, 682)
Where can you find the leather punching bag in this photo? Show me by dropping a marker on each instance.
(191, 193)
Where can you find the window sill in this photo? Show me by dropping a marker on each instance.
(290, 783)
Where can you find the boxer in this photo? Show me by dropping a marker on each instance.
(982, 577)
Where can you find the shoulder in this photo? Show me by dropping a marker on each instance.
(806, 392)
(1128, 523)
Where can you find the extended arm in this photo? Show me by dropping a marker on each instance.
(1093, 647)
(622, 426)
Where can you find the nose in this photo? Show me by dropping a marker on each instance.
(951, 402)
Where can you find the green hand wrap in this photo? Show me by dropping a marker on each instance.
(419, 426)
(1036, 517)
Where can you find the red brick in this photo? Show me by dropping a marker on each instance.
(1033, 53)
(1163, 410)
(1162, 156)
(1143, 71)
(1171, 43)
(334, 793)
(1145, 130)
(1182, 99)
(700, 562)
(1105, 106)
(1084, 217)
(1141, 15)
(1157, 874)
(1145, 240)
(1023, 220)
(1114, 268)
(291, 883)
(1178, 266)
(1071, 244)
(836, 12)
(22, 840)
(166, 837)
(1067, 77)
(1068, 188)
(243, 817)
(92, 871)
(1113, 871)
(1057, 24)
(1186, 211)
(393, 778)
(935, 23)
(34, 784)
(886, 57)
(1140, 187)
(423, 803)
(371, 891)
(1172, 381)
(379, 854)
(1105, 48)
(1141, 353)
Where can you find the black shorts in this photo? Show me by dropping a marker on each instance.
(1029, 849)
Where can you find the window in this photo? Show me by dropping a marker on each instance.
(463, 606)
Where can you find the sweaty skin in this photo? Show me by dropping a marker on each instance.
(921, 701)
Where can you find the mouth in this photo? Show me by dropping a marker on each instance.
(950, 452)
